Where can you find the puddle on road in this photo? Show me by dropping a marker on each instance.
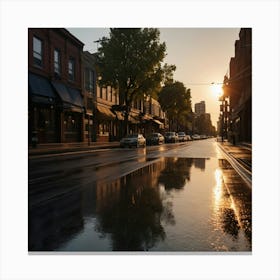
(174, 204)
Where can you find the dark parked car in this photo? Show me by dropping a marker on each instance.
(155, 139)
(171, 137)
(133, 140)
(182, 136)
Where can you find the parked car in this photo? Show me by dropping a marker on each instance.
(155, 139)
(195, 137)
(133, 140)
(188, 137)
(182, 136)
(171, 137)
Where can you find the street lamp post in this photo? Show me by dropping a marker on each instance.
(224, 117)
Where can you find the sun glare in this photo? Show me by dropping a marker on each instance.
(217, 90)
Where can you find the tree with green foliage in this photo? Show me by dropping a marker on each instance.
(175, 100)
(131, 60)
(203, 125)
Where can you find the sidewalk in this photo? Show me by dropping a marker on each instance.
(58, 148)
(240, 157)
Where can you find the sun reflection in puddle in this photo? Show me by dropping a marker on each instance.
(218, 187)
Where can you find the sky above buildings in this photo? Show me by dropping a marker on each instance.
(201, 55)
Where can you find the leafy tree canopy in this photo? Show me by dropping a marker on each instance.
(131, 60)
(175, 99)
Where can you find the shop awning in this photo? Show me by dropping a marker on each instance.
(105, 112)
(76, 96)
(133, 118)
(119, 115)
(157, 122)
(40, 89)
(71, 98)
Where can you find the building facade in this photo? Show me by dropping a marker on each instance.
(238, 89)
(199, 108)
(65, 101)
(55, 101)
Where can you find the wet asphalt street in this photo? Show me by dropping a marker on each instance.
(183, 197)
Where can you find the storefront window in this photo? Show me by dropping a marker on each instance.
(45, 119)
(71, 122)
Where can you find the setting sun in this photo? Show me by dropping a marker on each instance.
(217, 90)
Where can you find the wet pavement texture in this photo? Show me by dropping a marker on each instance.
(162, 199)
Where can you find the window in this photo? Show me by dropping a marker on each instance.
(98, 91)
(109, 93)
(57, 62)
(71, 69)
(37, 52)
(91, 77)
(104, 93)
(89, 80)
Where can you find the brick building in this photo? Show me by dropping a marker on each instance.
(65, 101)
(238, 88)
(55, 101)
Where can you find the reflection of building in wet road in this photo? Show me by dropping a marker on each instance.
(54, 221)
(200, 163)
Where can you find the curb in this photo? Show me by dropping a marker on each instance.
(34, 152)
(244, 173)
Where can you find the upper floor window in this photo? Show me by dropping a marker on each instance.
(109, 93)
(89, 80)
(57, 62)
(98, 89)
(71, 69)
(37, 52)
(104, 93)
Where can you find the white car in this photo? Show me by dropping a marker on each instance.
(133, 140)
(196, 137)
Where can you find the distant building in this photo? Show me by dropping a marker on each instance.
(208, 116)
(199, 108)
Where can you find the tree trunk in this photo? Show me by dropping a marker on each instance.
(125, 129)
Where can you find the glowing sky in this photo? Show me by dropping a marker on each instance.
(201, 55)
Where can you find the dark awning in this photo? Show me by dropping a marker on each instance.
(76, 96)
(62, 91)
(40, 89)
(71, 98)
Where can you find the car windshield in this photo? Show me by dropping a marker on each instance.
(181, 133)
